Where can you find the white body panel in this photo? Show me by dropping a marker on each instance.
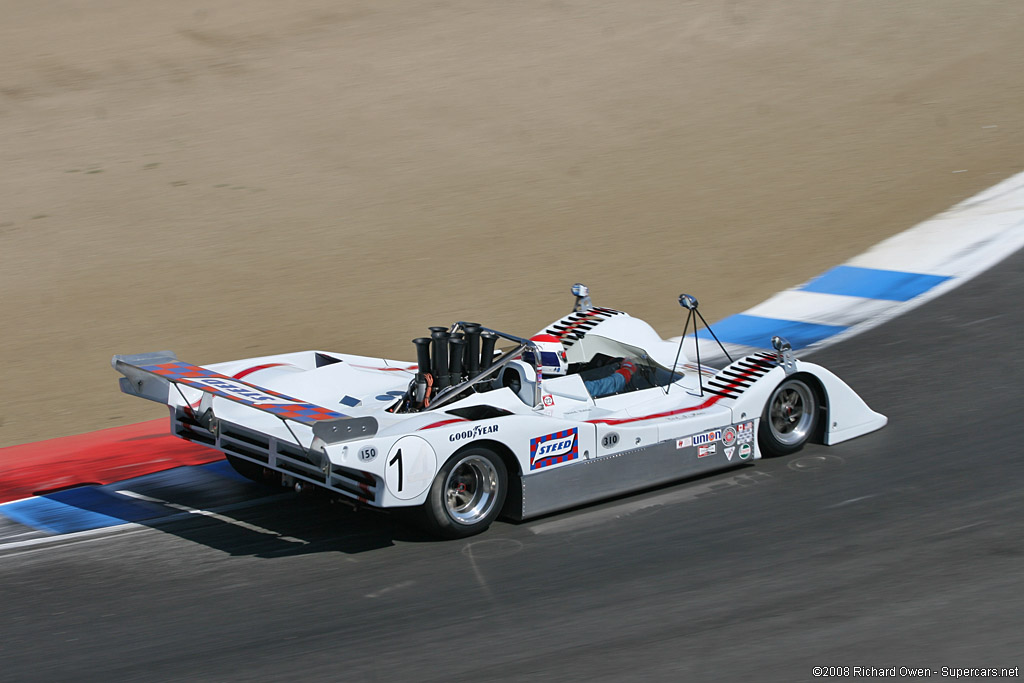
(567, 449)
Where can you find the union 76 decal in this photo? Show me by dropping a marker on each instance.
(552, 449)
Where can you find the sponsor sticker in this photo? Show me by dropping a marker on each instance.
(707, 437)
(704, 451)
(241, 390)
(745, 450)
(684, 443)
(729, 451)
(476, 431)
(745, 432)
(729, 436)
(552, 449)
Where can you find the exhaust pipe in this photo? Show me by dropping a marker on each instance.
(487, 342)
(440, 337)
(472, 331)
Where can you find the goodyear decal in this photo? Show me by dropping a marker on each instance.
(473, 433)
(552, 449)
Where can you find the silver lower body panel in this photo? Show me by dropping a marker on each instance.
(587, 481)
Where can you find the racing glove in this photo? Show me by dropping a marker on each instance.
(626, 369)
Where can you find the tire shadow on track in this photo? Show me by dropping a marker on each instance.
(275, 528)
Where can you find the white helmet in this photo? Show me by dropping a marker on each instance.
(552, 355)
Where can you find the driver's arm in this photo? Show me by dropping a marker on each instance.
(614, 383)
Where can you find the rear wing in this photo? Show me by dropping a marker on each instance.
(152, 375)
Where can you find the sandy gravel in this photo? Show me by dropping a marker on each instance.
(237, 178)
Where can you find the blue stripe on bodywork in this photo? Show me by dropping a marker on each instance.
(753, 330)
(871, 283)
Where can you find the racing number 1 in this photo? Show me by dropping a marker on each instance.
(398, 459)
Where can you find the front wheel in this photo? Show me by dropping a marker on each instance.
(789, 418)
(467, 494)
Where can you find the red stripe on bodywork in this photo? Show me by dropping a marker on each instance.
(744, 375)
(442, 423)
(613, 421)
(240, 375)
(371, 367)
(255, 368)
(706, 404)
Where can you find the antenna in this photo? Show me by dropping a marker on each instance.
(690, 303)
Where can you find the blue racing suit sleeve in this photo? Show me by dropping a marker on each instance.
(612, 384)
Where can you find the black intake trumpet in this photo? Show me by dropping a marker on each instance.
(423, 361)
(487, 342)
(472, 331)
(457, 349)
(440, 366)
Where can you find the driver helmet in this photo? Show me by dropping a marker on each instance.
(552, 355)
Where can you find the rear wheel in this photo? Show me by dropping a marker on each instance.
(247, 469)
(789, 418)
(467, 494)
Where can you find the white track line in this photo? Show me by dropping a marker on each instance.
(212, 514)
(132, 527)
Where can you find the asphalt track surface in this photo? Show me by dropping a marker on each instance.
(901, 548)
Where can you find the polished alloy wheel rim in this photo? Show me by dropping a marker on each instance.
(791, 412)
(471, 489)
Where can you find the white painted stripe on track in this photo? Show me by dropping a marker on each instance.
(822, 309)
(133, 527)
(957, 244)
(213, 515)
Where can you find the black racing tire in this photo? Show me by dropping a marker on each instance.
(789, 418)
(247, 469)
(467, 494)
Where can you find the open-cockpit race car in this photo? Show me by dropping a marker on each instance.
(595, 405)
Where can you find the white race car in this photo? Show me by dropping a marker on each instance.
(595, 405)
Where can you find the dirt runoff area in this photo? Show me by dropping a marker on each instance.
(231, 179)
